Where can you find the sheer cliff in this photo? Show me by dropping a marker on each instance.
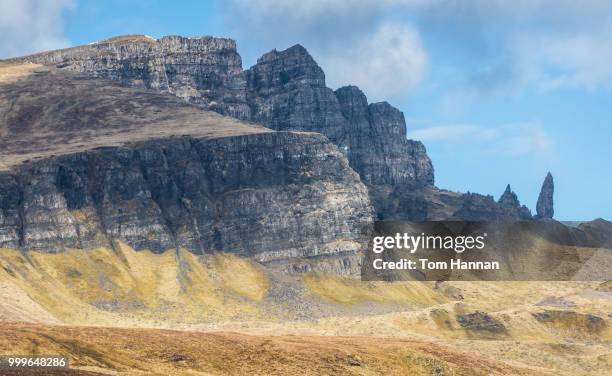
(285, 90)
(87, 163)
(116, 107)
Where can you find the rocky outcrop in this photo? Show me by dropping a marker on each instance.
(477, 207)
(578, 323)
(204, 71)
(433, 204)
(480, 321)
(510, 203)
(545, 207)
(270, 196)
(377, 146)
(286, 91)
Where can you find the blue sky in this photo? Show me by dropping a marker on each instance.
(499, 91)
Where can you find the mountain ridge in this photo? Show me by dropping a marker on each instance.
(285, 90)
(100, 146)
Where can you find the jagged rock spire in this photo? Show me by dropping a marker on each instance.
(511, 205)
(509, 198)
(544, 207)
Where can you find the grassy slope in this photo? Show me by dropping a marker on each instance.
(35, 121)
(165, 352)
(179, 290)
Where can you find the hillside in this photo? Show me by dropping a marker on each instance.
(563, 326)
(178, 353)
(163, 209)
(47, 112)
(286, 91)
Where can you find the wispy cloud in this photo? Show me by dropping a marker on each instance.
(522, 139)
(453, 132)
(386, 63)
(512, 45)
(515, 139)
(497, 46)
(354, 41)
(570, 61)
(28, 26)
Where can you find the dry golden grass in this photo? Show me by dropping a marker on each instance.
(37, 123)
(345, 290)
(10, 72)
(125, 288)
(164, 352)
(107, 287)
(240, 276)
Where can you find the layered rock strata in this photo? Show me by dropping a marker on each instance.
(269, 196)
(88, 163)
(286, 90)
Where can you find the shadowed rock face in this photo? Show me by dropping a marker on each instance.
(271, 196)
(286, 91)
(376, 142)
(545, 208)
(477, 207)
(204, 71)
(511, 205)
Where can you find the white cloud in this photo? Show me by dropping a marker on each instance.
(28, 26)
(454, 132)
(496, 46)
(522, 139)
(570, 61)
(353, 41)
(386, 63)
(511, 140)
(525, 44)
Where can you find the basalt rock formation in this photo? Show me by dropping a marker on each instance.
(88, 163)
(544, 207)
(204, 71)
(284, 91)
(287, 92)
(223, 181)
(510, 202)
(269, 196)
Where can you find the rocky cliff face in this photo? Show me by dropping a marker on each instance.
(89, 163)
(544, 207)
(203, 71)
(509, 202)
(286, 90)
(376, 142)
(271, 196)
